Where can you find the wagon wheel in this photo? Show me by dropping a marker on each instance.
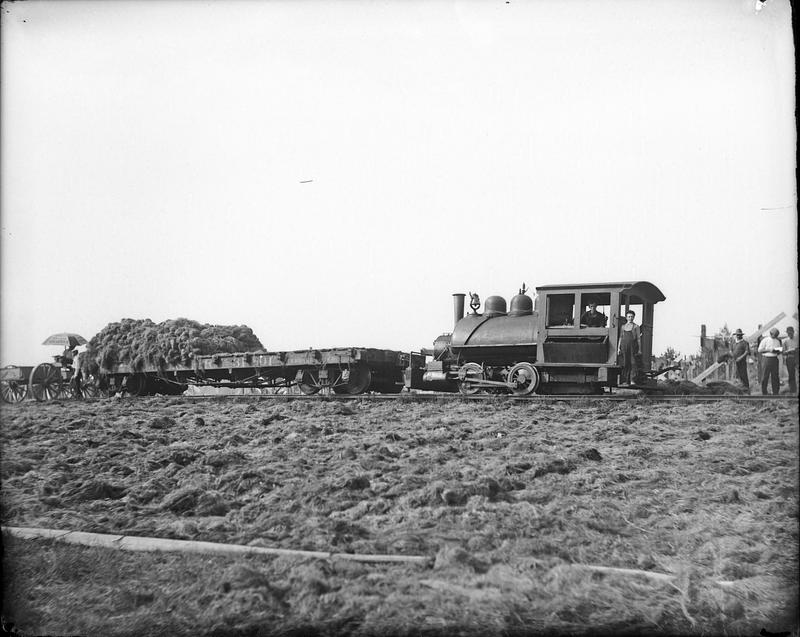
(472, 371)
(89, 386)
(67, 390)
(13, 391)
(45, 382)
(310, 383)
(357, 382)
(523, 378)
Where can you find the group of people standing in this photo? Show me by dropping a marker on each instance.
(770, 349)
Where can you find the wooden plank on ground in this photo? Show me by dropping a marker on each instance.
(155, 544)
(702, 376)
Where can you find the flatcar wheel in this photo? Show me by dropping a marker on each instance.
(523, 379)
(357, 381)
(45, 382)
(310, 383)
(471, 371)
(13, 391)
(137, 385)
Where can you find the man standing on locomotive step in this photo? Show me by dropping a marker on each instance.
(770, 348)
(740, 352)
(790, 357)
(628, 346)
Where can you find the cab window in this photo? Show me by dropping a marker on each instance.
(595, 309)
(560, 310)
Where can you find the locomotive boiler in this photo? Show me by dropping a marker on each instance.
(562, 341)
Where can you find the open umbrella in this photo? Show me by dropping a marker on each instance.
(65, 339)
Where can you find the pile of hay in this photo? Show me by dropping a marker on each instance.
(142, 343)
(687, 387)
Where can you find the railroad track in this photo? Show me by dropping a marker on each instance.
(455, 398)
(459, 398)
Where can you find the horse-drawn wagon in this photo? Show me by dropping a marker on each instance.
(49, 381)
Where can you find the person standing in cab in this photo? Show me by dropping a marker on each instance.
(593, 318)
(628, 346)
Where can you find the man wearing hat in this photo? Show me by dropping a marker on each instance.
(770, 348)
(790, 357)
(740, 351)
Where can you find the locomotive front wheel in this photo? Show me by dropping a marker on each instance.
(523, 379)
(357, 382)
(13, 391)
(45, 382)
(470, 371)
(309, 384)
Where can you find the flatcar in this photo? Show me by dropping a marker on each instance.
(541, 345)
(349, 370)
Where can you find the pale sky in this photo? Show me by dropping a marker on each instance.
(154, 156)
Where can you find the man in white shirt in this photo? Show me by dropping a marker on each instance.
(770, 348)
(790, 357)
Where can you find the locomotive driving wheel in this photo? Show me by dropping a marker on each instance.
(358, 379)
(523, 379)
(469, 372)
(46, 382)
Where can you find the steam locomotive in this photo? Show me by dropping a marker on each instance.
(543, 346)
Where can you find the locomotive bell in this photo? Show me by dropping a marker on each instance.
(494, 306)
(521, 305)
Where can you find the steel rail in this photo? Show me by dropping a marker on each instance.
(461, 398)
(455, 398)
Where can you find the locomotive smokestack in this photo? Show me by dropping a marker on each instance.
(458, 307)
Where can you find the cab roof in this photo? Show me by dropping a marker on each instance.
(642, 289)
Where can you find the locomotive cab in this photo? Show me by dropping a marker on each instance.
(579, 329)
